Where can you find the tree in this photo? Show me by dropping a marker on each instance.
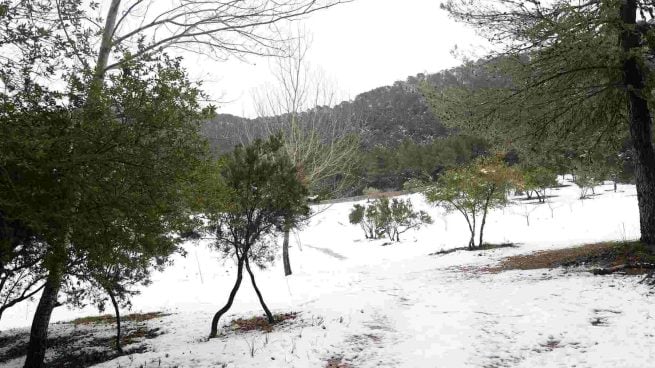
(388, 217)
(398, 216)
(588, 173)
(84, 174)
(324, 147)
(473, 190)
(265, 196)
(538, 179)
(578, 74)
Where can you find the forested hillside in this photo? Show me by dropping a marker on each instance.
(385, 116)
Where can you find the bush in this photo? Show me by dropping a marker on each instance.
(537, 180)
(391, 218)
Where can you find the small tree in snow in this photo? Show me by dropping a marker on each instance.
(536, 180)
(385, 217)
(398, 216)
(367, 218)
(265, 196)
(474, 190)
(587, 177)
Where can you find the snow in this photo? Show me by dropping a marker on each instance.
(398, 306)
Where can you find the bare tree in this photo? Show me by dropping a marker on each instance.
(324, 147)
(216, 28)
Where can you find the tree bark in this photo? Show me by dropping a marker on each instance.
(285, 252)
(230, 300)
(37, 345)
(269, 315)
(106, 43)
(118, 320)
(484, 220)
(640, 124)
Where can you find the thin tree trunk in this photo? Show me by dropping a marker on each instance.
(473, 228)
(484, 213)
(484, 220)
(230, 300)
(118, 320)
(640, 124)
(37, 345)
(269, 315)
(285, 252)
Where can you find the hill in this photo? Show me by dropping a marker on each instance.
(385, 116)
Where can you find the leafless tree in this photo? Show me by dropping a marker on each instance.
(323, 146)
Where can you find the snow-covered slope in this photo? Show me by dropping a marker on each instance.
(397, 306)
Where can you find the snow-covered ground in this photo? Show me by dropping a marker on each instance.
(397, 306)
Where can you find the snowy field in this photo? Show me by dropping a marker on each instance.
(369, 305)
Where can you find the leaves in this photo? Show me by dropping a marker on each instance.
(263, 196)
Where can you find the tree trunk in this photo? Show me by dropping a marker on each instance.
(106, 43)
(640, 124)
(472, 228)
(269, 315)
(285, 252)
(230, 300)
(485, 211)
(484, 220)
(118, 320)
(37, 345)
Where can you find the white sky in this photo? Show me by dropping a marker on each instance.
(360, 45)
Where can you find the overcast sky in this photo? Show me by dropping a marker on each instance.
(360, 45)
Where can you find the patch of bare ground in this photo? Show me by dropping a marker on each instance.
(84, 342)
(108, 318)
(600, 258)
(337, 362)
(260, 323)
(475, 249)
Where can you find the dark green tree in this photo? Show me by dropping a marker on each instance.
(264, 196)
(99, 175)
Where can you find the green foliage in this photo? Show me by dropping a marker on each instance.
(555, 81)
(99, 180)
(368, 218)
(263, 196)
(473, 190)
(388, 217)
(391, 167)
(414, 185)
(538, 179)
(357, 214)
(588, 174)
